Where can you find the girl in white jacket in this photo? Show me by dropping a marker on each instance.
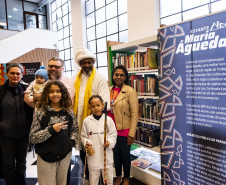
(92, 135)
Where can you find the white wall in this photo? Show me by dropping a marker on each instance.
(23, 42)
(143, 18)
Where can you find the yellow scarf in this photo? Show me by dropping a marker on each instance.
(88, 93)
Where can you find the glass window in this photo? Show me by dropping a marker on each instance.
(101, 30)
(100, 15)
(101, 58)
(188, 4)
(89, 6)
(42, 21)
(112, 26)
(90, 21)
(123, 36)
(203, 10)
(65, 20)
(174, 11)
(66, 43)
(15, 14)
(218, 6)
(113, 37)
(103, 71)
(122, 6)
(101, 45)
(61, 45)
(169, 7)
(58, 3)
(92, 46)
(65, 9)
(105, 22)
(66, 31)
(91, 33)
(123, 22)
(3, 23)
(99, 3)
(171, 19)
(111, 10)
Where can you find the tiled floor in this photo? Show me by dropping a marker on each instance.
(76, 170)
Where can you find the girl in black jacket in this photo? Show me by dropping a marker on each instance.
(54, 132)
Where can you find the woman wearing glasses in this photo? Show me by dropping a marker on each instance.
(15, 122)
(124, 111)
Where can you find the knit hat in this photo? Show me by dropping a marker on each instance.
(42, 72)
(83, 53)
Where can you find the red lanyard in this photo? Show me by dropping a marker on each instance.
(112, 98)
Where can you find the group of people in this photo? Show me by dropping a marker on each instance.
(68, 113)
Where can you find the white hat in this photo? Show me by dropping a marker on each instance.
(83, 53)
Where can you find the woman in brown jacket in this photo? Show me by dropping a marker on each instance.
(124, 112)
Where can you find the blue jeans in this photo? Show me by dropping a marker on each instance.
(122, 156)
(14, 152)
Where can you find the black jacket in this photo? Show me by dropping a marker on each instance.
(51, 145)
(15, 115)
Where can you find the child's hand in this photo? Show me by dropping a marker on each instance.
(106, 144)
(58, 126)
(88, 145)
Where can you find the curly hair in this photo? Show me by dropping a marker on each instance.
(125, 72)
(65, 102)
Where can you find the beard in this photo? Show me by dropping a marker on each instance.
(54, 75)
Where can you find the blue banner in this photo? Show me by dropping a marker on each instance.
(193, 101)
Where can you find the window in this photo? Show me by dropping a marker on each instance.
(173, 11)
(61, 22)
(105, 20)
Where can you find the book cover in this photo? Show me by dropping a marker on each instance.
(151, 57)
(141, 163)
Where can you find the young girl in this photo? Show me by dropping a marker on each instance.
(92, 134)
(54, 132)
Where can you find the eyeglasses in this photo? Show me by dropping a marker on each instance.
(54, 66)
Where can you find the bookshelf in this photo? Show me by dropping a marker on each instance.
(143, 78)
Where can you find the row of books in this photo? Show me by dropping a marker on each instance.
(145, 85)
(149, 136)
(148, 109)
(137, 61)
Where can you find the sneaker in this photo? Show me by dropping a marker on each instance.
(118, 180)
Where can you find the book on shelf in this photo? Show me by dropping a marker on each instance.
(149, 136)
(145, 85)
(152, 58)
(137, 61)
(148, 109)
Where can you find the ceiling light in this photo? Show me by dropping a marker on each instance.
(2, 24)
(15, 9)
(9, 16)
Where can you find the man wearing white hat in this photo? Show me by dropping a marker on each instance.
(88, 82)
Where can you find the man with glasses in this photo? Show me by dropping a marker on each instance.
(55, 72)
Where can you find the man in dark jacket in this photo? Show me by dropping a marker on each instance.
(15, 122)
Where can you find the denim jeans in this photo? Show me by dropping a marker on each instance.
(14, 152)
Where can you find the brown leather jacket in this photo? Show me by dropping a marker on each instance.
(125, 109)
